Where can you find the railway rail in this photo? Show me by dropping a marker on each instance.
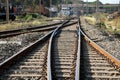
(5, 53)
(62, 54)
(27, 67)
(10, 33)
(28, 63)
(95, 62)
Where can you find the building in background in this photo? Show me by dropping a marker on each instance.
(90, 7)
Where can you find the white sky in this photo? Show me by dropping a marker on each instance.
(105, 1)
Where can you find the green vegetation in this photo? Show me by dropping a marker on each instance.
(27, 20)
(30, 16)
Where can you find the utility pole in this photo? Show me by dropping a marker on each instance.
(75, 7)
(82, 8)
(40, 6)
(7, 11)
(119, 6)
(50, 8)
(87, 8)
(97, 6)
(97, 11)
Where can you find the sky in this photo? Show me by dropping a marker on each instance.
(106, 1)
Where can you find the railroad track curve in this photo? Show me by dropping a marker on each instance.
(95, 62)
(12, 44)
(62, 54)
(31, 66)
(10, 33)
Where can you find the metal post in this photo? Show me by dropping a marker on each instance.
(40, 6)
(7, 11)
(119, 7)
(50, 8)
(97, 6)
(82, 8)
(87, 7)
(97, 10)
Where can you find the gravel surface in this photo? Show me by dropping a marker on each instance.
(106, 41)
(10, 46)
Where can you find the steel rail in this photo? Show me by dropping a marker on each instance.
(29, 31)
(10, 61)
(23, 32)
(101, 50)
(49, 73)
(9, 33)
(5, 64)
(29, 28)
(77, 71)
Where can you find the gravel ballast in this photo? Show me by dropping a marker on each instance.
(108, 42)
(11, 45)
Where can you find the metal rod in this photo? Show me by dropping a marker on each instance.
(50, 8)
(40, 6)
(7, 11)
(119, 7)
(97, 6)
(87, 8)
(77, 72)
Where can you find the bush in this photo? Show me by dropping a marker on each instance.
(29, 16)
(36, 15)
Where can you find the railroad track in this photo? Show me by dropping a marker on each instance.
(29, 63)
(96, 63)
(63, 55)
(12, 51)
(66, 56)
(33, 65)
(10, 33)
(94, 66)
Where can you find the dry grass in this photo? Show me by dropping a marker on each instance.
(17, 25)
(20, 23)
(112, 26)
(91, 20)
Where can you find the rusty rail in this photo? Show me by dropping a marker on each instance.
(101, 50)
